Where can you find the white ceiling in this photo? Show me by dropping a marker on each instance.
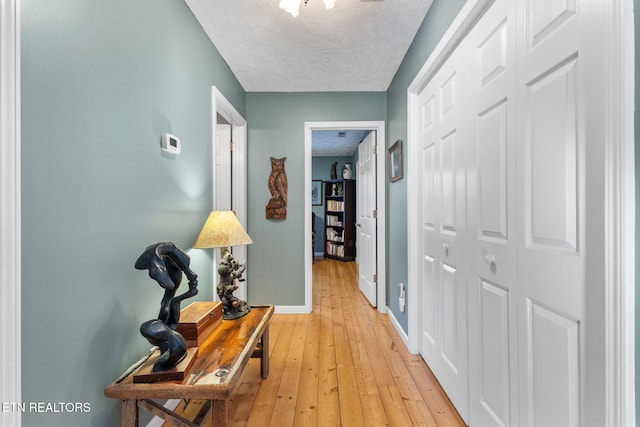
(357, 45)
(336, 142)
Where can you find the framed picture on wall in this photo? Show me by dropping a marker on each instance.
(395, 161)
(316, 192)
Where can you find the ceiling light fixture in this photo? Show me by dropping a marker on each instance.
(293, 6)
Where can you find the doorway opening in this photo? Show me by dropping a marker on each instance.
(229, 170)
(377, 251)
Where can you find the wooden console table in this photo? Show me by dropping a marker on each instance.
(214, 375)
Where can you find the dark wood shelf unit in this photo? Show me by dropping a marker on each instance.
(340, 219)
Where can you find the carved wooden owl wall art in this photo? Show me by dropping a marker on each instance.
(277, 206)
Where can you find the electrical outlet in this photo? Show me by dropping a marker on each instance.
(401, 297)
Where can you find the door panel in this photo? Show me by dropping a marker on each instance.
(450, 317)
(547, 16)
(448, 195)
(553, 365)
(551, 160)
(429, 303)
(492, 209)
(494, 354)
(428, 187)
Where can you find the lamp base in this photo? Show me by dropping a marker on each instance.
(235, 312)
(230, 271)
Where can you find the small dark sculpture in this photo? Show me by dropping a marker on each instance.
(231, 270)
(334, 172)
(278, 186)
(166, 263)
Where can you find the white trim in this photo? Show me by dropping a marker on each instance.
(220, 105)
(381, 144)
(292, 309)
(620, 215)
(10, 211)
(398, 327)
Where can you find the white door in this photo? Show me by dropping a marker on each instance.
(491, 213)
(229, 170)
(224, 190)
(366, 223)
(442, 227)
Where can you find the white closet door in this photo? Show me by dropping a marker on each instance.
(557, 155)
(442, 189)
(530, 78)
(491, 207)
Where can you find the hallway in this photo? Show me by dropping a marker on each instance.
(344, 364)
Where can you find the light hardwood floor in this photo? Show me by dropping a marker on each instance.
(342, 365)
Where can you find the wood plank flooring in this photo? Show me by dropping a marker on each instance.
(342, 365)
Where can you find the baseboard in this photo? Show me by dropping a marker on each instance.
(292, 309)
(401, 332)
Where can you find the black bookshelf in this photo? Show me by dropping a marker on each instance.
(340, 219)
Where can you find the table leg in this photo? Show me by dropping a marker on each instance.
(264, 359)
(220, 410)
(129, 413)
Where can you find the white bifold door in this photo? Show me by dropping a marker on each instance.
(511, 219)
(491, 206)
(442, 228)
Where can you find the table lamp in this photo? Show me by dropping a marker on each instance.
(223, 230)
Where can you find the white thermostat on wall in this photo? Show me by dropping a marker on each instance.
(170, 143)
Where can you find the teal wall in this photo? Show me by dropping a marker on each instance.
(101, 81)
(636, 7)
(440, 16)
(276, 129)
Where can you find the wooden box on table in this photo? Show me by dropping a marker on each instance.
(198, 320)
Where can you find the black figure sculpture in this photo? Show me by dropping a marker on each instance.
(334, 172)
(166, 263)
(231, 270)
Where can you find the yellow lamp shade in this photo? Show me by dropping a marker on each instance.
(222, 230)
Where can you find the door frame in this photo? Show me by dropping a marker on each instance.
(379, 127)
(10, 211)
(619, 305)
(220, 105)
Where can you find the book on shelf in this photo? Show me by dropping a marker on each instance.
(335, 205)
(335, 235)
(334, 220)
(333, 249)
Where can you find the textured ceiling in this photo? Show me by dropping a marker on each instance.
(336, 142)
(357, 45)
